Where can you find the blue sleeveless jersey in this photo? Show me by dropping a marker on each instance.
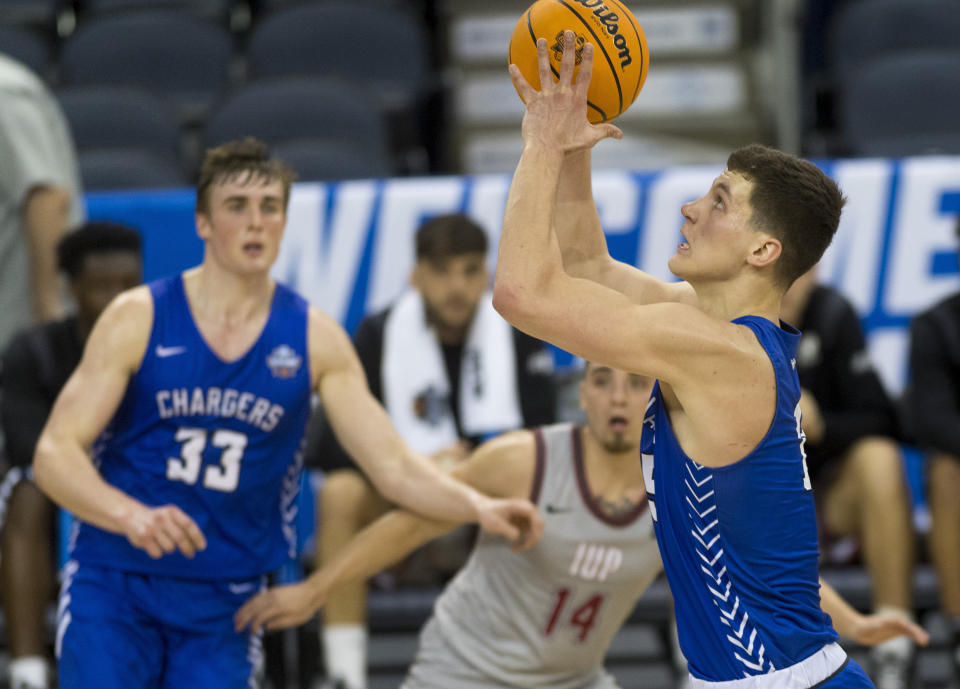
(739, 543)
(222, 441)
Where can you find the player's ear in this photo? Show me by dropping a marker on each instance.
(766, 250)
(202, 222)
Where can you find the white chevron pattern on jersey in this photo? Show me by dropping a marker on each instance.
(701, 500)
(289, 506)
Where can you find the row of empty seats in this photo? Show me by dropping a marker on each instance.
(128, 137)
(888, 82)
(192, 58)
(47, 12)
(337, 87)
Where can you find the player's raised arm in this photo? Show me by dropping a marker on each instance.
(503, 467)
(62, 468)
(583, 244)
(403, 476)
(671, 341)
(555, 125)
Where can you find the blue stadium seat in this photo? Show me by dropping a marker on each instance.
(869, 29)
(324, 160)
(184, 5)
(903, 104)
(35, 12)
(120, 117)
(179, 57)
(214, 9)
(288, 110)
(127, 168)
(26, 46)
(378, 49)
(265, 6)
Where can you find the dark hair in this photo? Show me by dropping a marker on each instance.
(94, 237)
(450, 235)
(243, 159)
(793, 200)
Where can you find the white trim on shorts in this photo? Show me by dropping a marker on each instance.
(803, 675)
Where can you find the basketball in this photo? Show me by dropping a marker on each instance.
(620, 56)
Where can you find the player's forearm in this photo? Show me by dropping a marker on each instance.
(46, 214)
(528, 252)
(421, 487)
(401, 475)
(385, 542)
(575, 220)
(64, 472)
(844, 616)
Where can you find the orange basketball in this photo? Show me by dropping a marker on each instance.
(620, 56)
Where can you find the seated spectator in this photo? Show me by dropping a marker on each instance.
(450, 372)
(853, 457)
(933, 407)
(100, 260)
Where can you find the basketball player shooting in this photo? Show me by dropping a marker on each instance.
(723, 455)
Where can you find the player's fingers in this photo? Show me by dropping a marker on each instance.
(607, 131)
(259, 620)
(251, 610)
(190, 530)
(569, 59)
(543, 64)
(525, 90)
(242, 617)
(506, 529)
(164, 539)
(916, 632)
(536, 529)
(531, 533)
(176, 533)
(586, 69)
(152, 548)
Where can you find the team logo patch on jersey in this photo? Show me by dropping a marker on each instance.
(284, 362)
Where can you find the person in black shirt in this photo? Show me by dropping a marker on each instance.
(100, 260)
(853, 456)
(933, 414)
(451, 373)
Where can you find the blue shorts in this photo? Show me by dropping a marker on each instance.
(125, 630)
(850, 676)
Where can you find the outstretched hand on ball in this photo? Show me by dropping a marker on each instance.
(556, 115)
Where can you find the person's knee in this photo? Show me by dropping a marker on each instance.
(346, 496)
(878, 469)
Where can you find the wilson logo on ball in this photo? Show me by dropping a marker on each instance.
(610, 20)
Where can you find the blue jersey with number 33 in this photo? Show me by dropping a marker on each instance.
(739, 542)
(221, 440)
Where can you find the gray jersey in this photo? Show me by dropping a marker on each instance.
(544, 617)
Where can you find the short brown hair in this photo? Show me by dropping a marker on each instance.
(449, 235)
(245, 159)
(793, 200)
